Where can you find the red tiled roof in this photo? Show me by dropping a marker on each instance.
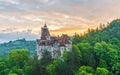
(64, 39)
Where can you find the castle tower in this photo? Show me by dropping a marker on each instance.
(55, 45)
(45, 35)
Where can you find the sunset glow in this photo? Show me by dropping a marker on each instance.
(24, 18)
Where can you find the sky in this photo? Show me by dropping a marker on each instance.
(24, 18)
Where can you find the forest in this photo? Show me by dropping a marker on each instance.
(17, 44)
(96, 52)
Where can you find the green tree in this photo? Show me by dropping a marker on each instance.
(102, 63)
(59, 68)
(87, 54)
(2, 68)
(85, 70)
(46, 58)
(18, 57)
(101, 71)
(106, 52)
(73, 58)
(12, 74)
(39, 67)
(116, 68)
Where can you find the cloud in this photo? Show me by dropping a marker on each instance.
(5, 37)
(60, 15)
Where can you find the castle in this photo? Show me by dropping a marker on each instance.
(55, 45)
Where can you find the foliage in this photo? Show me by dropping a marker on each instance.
(94, 53)
(17, 44)
(87, 54)
(85, 70)
(101, 71)
(59, 68)
(73, 58)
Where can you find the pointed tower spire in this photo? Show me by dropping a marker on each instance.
(45, 35)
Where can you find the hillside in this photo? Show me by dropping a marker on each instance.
(102, 33)
(97, 52)
(17, 44)
(107, 33)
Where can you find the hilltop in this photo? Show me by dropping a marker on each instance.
(17, 44)
(97, 52)
(102, 33)
(108, 33)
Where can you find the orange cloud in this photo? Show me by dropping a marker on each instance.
(61, 16)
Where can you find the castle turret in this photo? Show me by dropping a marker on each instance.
(45, 35)
(55, 45)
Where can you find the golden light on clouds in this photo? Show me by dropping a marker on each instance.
(61, 16)
(71, 30)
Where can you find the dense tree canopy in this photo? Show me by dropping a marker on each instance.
(94, 53)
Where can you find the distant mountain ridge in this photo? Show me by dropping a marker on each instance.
(17, 44)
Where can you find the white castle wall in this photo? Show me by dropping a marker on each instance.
(53, 50)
